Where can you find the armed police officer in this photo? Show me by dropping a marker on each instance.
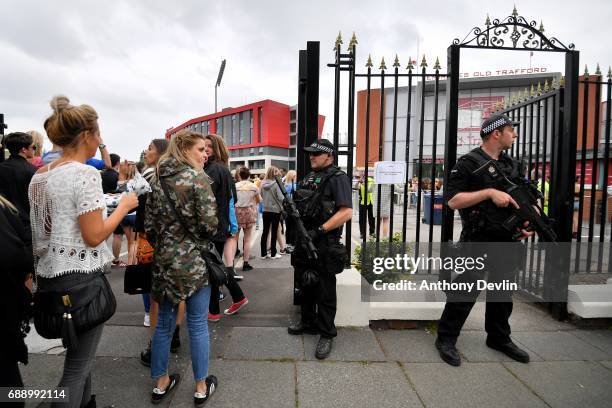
(324, 202)
(473, 189)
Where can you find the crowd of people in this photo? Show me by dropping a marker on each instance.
(59, 208)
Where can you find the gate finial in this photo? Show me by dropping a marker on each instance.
(338, 41)
(532, 91)
(488, 20)
(546, 89)
(514, 12)
(541, 26)
(562, 81)
(539, 90)
(598, 70)
(383, 66)
(352, 42)
(410, 66)
(396, 63)
(554, 84)
(424, 62)
(437, 65)
(586, 72)
(369, 63)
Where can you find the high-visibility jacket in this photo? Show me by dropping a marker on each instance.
(362, 192)
(545, 193)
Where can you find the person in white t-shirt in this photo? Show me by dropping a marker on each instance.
(69, 227)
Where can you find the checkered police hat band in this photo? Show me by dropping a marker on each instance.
(322, 147)
(492, 126)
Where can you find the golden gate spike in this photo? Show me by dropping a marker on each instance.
(396, 63)
(369, 63)
(383, 66)
(338, 41)
(598, 70)
(437, 66)
(410, 66)
(424, 62)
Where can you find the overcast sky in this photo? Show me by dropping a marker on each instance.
(149, 65)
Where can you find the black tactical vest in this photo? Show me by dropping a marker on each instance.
(315, 204)
(484, 220)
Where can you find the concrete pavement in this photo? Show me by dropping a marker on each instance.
(259, 365)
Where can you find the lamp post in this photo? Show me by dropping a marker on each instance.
(218, 83)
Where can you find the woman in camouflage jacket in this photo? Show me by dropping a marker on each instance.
(179, 271)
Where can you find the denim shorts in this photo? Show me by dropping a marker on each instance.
(129, 220)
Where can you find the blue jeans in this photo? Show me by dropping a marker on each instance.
(197, 323)
(146, 300)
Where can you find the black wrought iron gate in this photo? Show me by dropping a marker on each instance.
(547, 138)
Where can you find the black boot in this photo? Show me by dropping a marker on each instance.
(448, 352)
(324, 347)
(176, 340)
(301, 328)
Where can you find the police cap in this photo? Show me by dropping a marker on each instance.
(495, 122)
(322, 146)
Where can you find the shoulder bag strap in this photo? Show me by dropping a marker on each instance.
(208, 249)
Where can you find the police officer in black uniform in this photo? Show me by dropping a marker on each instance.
(324, 201)
(483, 208)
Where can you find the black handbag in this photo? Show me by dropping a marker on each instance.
(70, 304)
(217, 271)
(137, 279)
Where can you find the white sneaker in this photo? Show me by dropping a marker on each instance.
(265, 257)
(147, 321)
(277, 256)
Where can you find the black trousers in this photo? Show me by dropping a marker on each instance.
(233, 287)
(319, 304)
(501, 266)
(366, 211)
(270, 226)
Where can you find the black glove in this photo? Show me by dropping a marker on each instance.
(316, 234)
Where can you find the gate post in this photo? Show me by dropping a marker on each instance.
(308, 105)
(564, 186)
(450, 145)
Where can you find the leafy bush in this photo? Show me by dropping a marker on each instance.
(363, 261)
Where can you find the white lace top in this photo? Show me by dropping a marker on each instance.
(57, 198)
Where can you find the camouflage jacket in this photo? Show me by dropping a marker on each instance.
(178, 268)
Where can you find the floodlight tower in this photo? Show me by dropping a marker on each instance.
(218, 83)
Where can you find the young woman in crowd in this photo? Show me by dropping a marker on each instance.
(68, 217)
(156, 149)
(246, 211)
(224, 189)
(38, 141)
(179, 271)
(290, 188)
(272, 198)
(17, 269)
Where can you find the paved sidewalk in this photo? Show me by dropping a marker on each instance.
(259, 365)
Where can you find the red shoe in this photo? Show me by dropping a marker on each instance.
(236, 307)
(214, 317)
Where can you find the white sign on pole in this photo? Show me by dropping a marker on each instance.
(390, 172)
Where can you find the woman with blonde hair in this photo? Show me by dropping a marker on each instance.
(225, 190)
(180, 217)
(69, 230)
(38, 141)
(272, 198)
(290, 188)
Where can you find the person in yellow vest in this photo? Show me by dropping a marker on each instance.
(544, 192)
(365, 206)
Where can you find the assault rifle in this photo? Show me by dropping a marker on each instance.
(293, 212)
(526, 195)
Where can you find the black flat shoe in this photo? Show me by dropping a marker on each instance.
(200, 399)
(511, 350)
(448, 353)
(158, 395)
